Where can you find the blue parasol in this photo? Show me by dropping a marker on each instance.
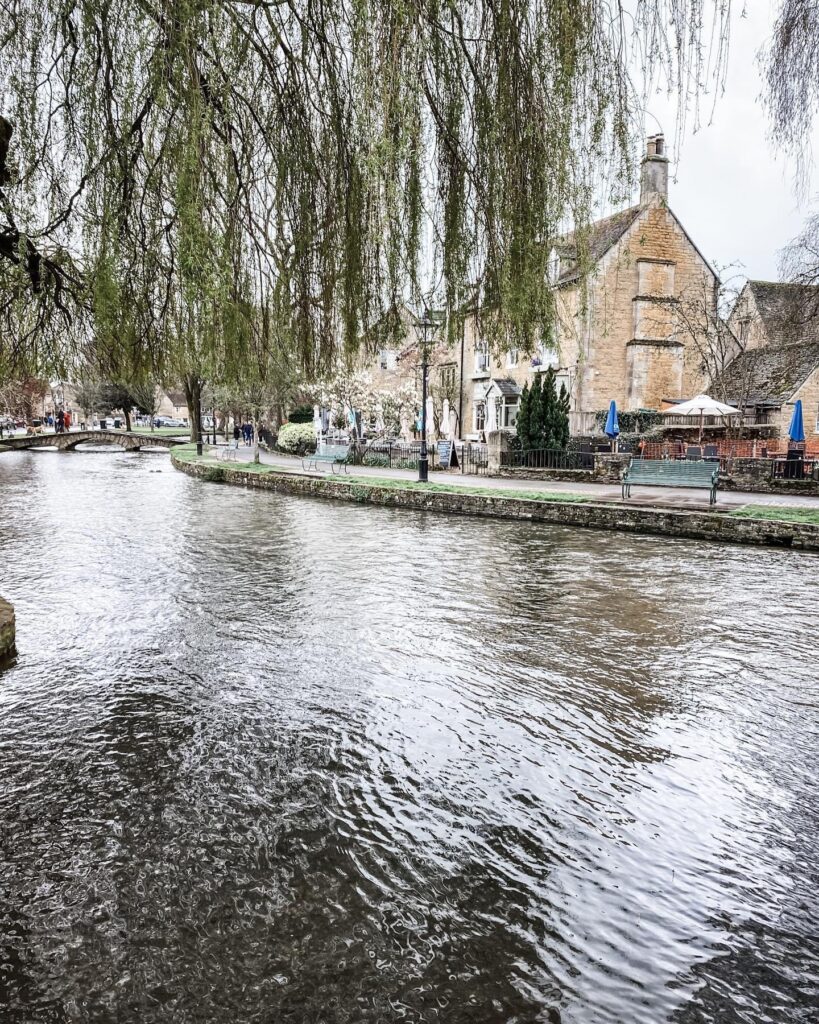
(796, 431)
(612, 426)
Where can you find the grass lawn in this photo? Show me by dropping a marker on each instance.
(187, 453)
(777, 513)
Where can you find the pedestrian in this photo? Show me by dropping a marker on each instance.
(236, 431)
(67, 420)
(60, 421)
(246, 434)
(250, 433)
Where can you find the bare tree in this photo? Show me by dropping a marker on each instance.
(699, 318)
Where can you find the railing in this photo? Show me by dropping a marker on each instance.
(470, 457)
(722, 448)
(547, 458)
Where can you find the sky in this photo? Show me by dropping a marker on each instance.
(729, 188)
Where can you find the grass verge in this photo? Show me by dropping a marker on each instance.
(778, 514)
(187, 453)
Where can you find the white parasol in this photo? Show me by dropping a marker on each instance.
(702, 406)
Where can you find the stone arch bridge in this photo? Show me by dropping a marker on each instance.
(67, 442)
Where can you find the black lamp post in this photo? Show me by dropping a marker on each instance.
(426, 324)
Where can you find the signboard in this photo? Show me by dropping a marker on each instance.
(445, 454)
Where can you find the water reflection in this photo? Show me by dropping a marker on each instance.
(275, 759)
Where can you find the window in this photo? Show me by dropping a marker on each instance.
(512, 357)
(481, 360)
(446, 375)
(743, 331)
(480, 416)
(510, 412)
(386, 359)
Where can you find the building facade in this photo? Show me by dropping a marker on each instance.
(618, 289)
(777, 327)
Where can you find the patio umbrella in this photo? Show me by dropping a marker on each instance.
(453, 425)
(796, 431)
(702, 406)
(430, 417)
(445, 418)
(612, 426)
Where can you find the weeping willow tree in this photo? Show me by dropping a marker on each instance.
(186, 184)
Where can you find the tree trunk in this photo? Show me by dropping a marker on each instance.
(193, 397)
(127, 412)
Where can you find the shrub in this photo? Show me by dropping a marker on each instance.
(296, 438)
(214, 474)
(376, 459)
(301, 414)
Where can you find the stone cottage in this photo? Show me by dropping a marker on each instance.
(618, 335)
(777, 326)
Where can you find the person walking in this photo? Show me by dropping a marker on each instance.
(236, 432)
(60, 421)
(67, 420)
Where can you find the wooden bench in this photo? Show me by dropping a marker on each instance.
(331, 453)
(671, 473)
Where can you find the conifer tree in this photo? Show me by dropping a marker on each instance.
(523, 420)
(536, 414)
(549, 410)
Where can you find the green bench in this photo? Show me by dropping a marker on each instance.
(670, 473)
(332, 453)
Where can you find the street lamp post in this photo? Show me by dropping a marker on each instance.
(423, 462)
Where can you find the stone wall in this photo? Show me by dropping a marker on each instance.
(7, 629)
(712, 525)
(754, 475)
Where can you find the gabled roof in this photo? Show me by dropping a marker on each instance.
(788, 312)
(603, 234)
(507, 387)
(768, 375)
(177, 398)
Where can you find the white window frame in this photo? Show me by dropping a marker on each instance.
(479, 425)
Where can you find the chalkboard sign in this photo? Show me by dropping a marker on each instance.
(445, 453)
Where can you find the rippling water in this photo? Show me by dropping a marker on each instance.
(267, 759)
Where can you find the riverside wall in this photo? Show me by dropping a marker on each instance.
(7, 630)
(711, 526)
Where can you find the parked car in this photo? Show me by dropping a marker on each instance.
(168, 421)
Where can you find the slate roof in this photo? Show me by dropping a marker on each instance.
(177, 398)
(508, 388)
(788, 312)
(603, 234)
(768, 375)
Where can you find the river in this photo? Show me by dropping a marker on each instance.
(267, 759)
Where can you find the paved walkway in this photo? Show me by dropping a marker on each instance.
(653, 496)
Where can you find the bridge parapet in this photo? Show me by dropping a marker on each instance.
(130, 441)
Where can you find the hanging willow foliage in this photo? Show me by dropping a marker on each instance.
(185, 183)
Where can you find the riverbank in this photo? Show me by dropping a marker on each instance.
(741, 526)
(7, 630)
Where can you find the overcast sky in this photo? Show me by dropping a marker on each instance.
(732, 192)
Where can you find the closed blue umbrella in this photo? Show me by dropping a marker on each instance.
(612, 426)
(796, 431)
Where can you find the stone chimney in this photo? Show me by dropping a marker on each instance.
(654, 175)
